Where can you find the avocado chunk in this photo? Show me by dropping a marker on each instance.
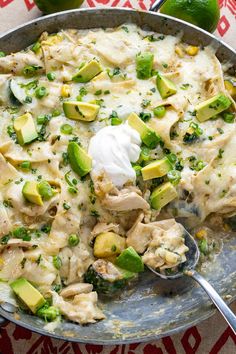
(27, 293)
(31, 193)
(148, 136)
(209, 108)
(80, 110)
(130, 260)
(88, 72)
(25, 129)
(165, 86)
(156, 169)
(163, 195)
(144, 63)
(108, 244)
(79, 160)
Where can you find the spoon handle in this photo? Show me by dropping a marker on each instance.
(215, 297)
(156, 5)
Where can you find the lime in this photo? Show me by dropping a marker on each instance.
(202, 13)
(50, 6)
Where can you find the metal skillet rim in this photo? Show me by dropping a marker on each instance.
(154, 337)
(133, 339)
(57, 14)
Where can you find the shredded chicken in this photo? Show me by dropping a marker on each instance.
(125, 199)
(140, 234)
(75, 263)
(83, 309)
(104, 227)
(166, 248)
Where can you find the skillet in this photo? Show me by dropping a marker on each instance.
(155, 308)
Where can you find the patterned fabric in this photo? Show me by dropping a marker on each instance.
(210, 337)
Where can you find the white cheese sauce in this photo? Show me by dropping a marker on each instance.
(113, 149)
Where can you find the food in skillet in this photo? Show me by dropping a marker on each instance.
(107, 136)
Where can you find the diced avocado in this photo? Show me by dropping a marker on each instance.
(156, 169)
(144, 63)
(80, 161)
(25, 129)
(148, 136)
(130, 260)
(31, 193)
(209, 108)
(88, 72)
(30, 296)
(163, 195)
(108, 244)
(165, 86)
(80, 110)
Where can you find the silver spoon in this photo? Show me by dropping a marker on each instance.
(189, 270)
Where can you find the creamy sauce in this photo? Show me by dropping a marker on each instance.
(112, 150)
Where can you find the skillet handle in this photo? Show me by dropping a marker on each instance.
(156, 5)
(3, 321)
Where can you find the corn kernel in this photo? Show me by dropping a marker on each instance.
(65, 91)
(192, 50)
(179, 51)
(201, 234)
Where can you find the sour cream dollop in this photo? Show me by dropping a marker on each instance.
(113, 149)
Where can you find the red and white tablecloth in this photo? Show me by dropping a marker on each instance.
(212, 336)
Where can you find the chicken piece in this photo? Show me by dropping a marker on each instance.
(75, 262)
(104, 227)
(103, 185)
(15, 63)
(140, 234)
(83, 309)
(126, 199)
(76, 289)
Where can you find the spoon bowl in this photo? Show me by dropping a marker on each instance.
(188, 269)
(192, 258)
